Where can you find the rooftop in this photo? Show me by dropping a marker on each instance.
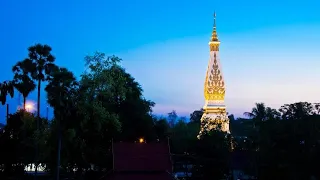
(143, 161)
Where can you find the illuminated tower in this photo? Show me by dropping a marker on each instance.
(214, 111)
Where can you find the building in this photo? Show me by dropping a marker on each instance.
(143, 161)
(214, 111)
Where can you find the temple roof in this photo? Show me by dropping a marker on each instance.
(143, 161)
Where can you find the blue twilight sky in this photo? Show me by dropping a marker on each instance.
(269, 48)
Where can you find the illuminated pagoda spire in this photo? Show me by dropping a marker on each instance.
(215, 114)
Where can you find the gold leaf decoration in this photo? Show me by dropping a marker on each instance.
(214, 84)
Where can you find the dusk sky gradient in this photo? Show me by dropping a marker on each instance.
(270, 50)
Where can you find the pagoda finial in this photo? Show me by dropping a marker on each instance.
(214, 17)
(214, 37)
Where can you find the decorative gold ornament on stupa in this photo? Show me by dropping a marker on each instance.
(214, 88)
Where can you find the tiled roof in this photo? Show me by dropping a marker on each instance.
(143, 157)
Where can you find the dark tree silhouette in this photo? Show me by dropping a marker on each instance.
(22, 79)
(62, 83)
(40, 64)
(6, 88)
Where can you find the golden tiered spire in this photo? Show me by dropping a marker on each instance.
(214, 36)
(214, 42)
(214, 114)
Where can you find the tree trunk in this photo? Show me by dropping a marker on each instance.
(38, 127)
(7, 115)
(38, 104)
(59, 140)
(59, 150)
(24, 103)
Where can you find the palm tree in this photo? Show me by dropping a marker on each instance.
(6, 88)
(22, 80)
(257, 114)
(272, 114)
(41, 64)
(261, 113)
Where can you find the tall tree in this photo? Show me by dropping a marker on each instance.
(40, 63)
(133, 109)
(261, 113)
(22, 80)
(6, 88)
(61, 84)
(120, 94)
(297, 110)
(98, 107)
(258, 113)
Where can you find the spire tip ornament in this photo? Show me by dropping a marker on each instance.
(214, 36)
(214, 42)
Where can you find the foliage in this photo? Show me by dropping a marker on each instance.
(286, 147)
(39, 64)
(22, 80)
(161, 128)
(184, 137)
(172, 118)
(106, 104)
(18, 142)
(213, 151)
(118, 92)
(196, 116)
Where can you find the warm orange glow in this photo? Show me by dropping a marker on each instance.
(141, 140)
(30, 107)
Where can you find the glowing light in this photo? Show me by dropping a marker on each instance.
(141, 140)
(30, 106)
